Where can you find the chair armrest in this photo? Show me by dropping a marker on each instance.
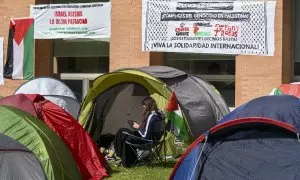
(136, 137)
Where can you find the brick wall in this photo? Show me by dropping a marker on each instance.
(43, 57)
(126, 37)
(43, 48)
(156, 58)
(44, 52)
(257, 75)
(11, 9)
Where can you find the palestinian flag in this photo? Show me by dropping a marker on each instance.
(19, 60)
(174, 114)
(276, 91)
(288, 89)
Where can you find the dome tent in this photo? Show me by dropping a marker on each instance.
(285, 108)
(17, 161)
(52, 153)
(200, 100)
(244, 140)
(215, 94)
(109, 92)
(46, 86)
(85, 153)
(248, 148)
(55, 91)
(116, 97)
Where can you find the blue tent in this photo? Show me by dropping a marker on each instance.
(256, 141)
(284, 108)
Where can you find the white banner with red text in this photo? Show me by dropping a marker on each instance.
(72, 21)
(213, 27)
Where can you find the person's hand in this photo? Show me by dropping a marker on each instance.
(135, 125)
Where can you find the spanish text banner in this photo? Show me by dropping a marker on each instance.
(82, 20)
(214, 27)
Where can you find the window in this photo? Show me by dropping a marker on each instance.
(76, 86)
(83, 64)
(79, 61)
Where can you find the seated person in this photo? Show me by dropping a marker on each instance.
(150, 114)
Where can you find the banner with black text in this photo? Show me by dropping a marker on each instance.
(213, 27)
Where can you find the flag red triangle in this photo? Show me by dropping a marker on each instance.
(172, 104)
(21, 26)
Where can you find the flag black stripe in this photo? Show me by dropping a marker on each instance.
(8, 67)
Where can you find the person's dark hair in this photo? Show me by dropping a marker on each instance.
(150, 104)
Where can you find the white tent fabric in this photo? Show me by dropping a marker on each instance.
(53, 90)
(46, 86)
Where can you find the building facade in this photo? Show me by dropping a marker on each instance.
(238, 78)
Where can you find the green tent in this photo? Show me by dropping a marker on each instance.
(52, 153)
(125, 80)
(116, 97)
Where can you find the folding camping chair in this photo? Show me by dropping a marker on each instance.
(153, 146)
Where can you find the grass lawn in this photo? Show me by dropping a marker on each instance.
(158, 171)
(141, 172)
